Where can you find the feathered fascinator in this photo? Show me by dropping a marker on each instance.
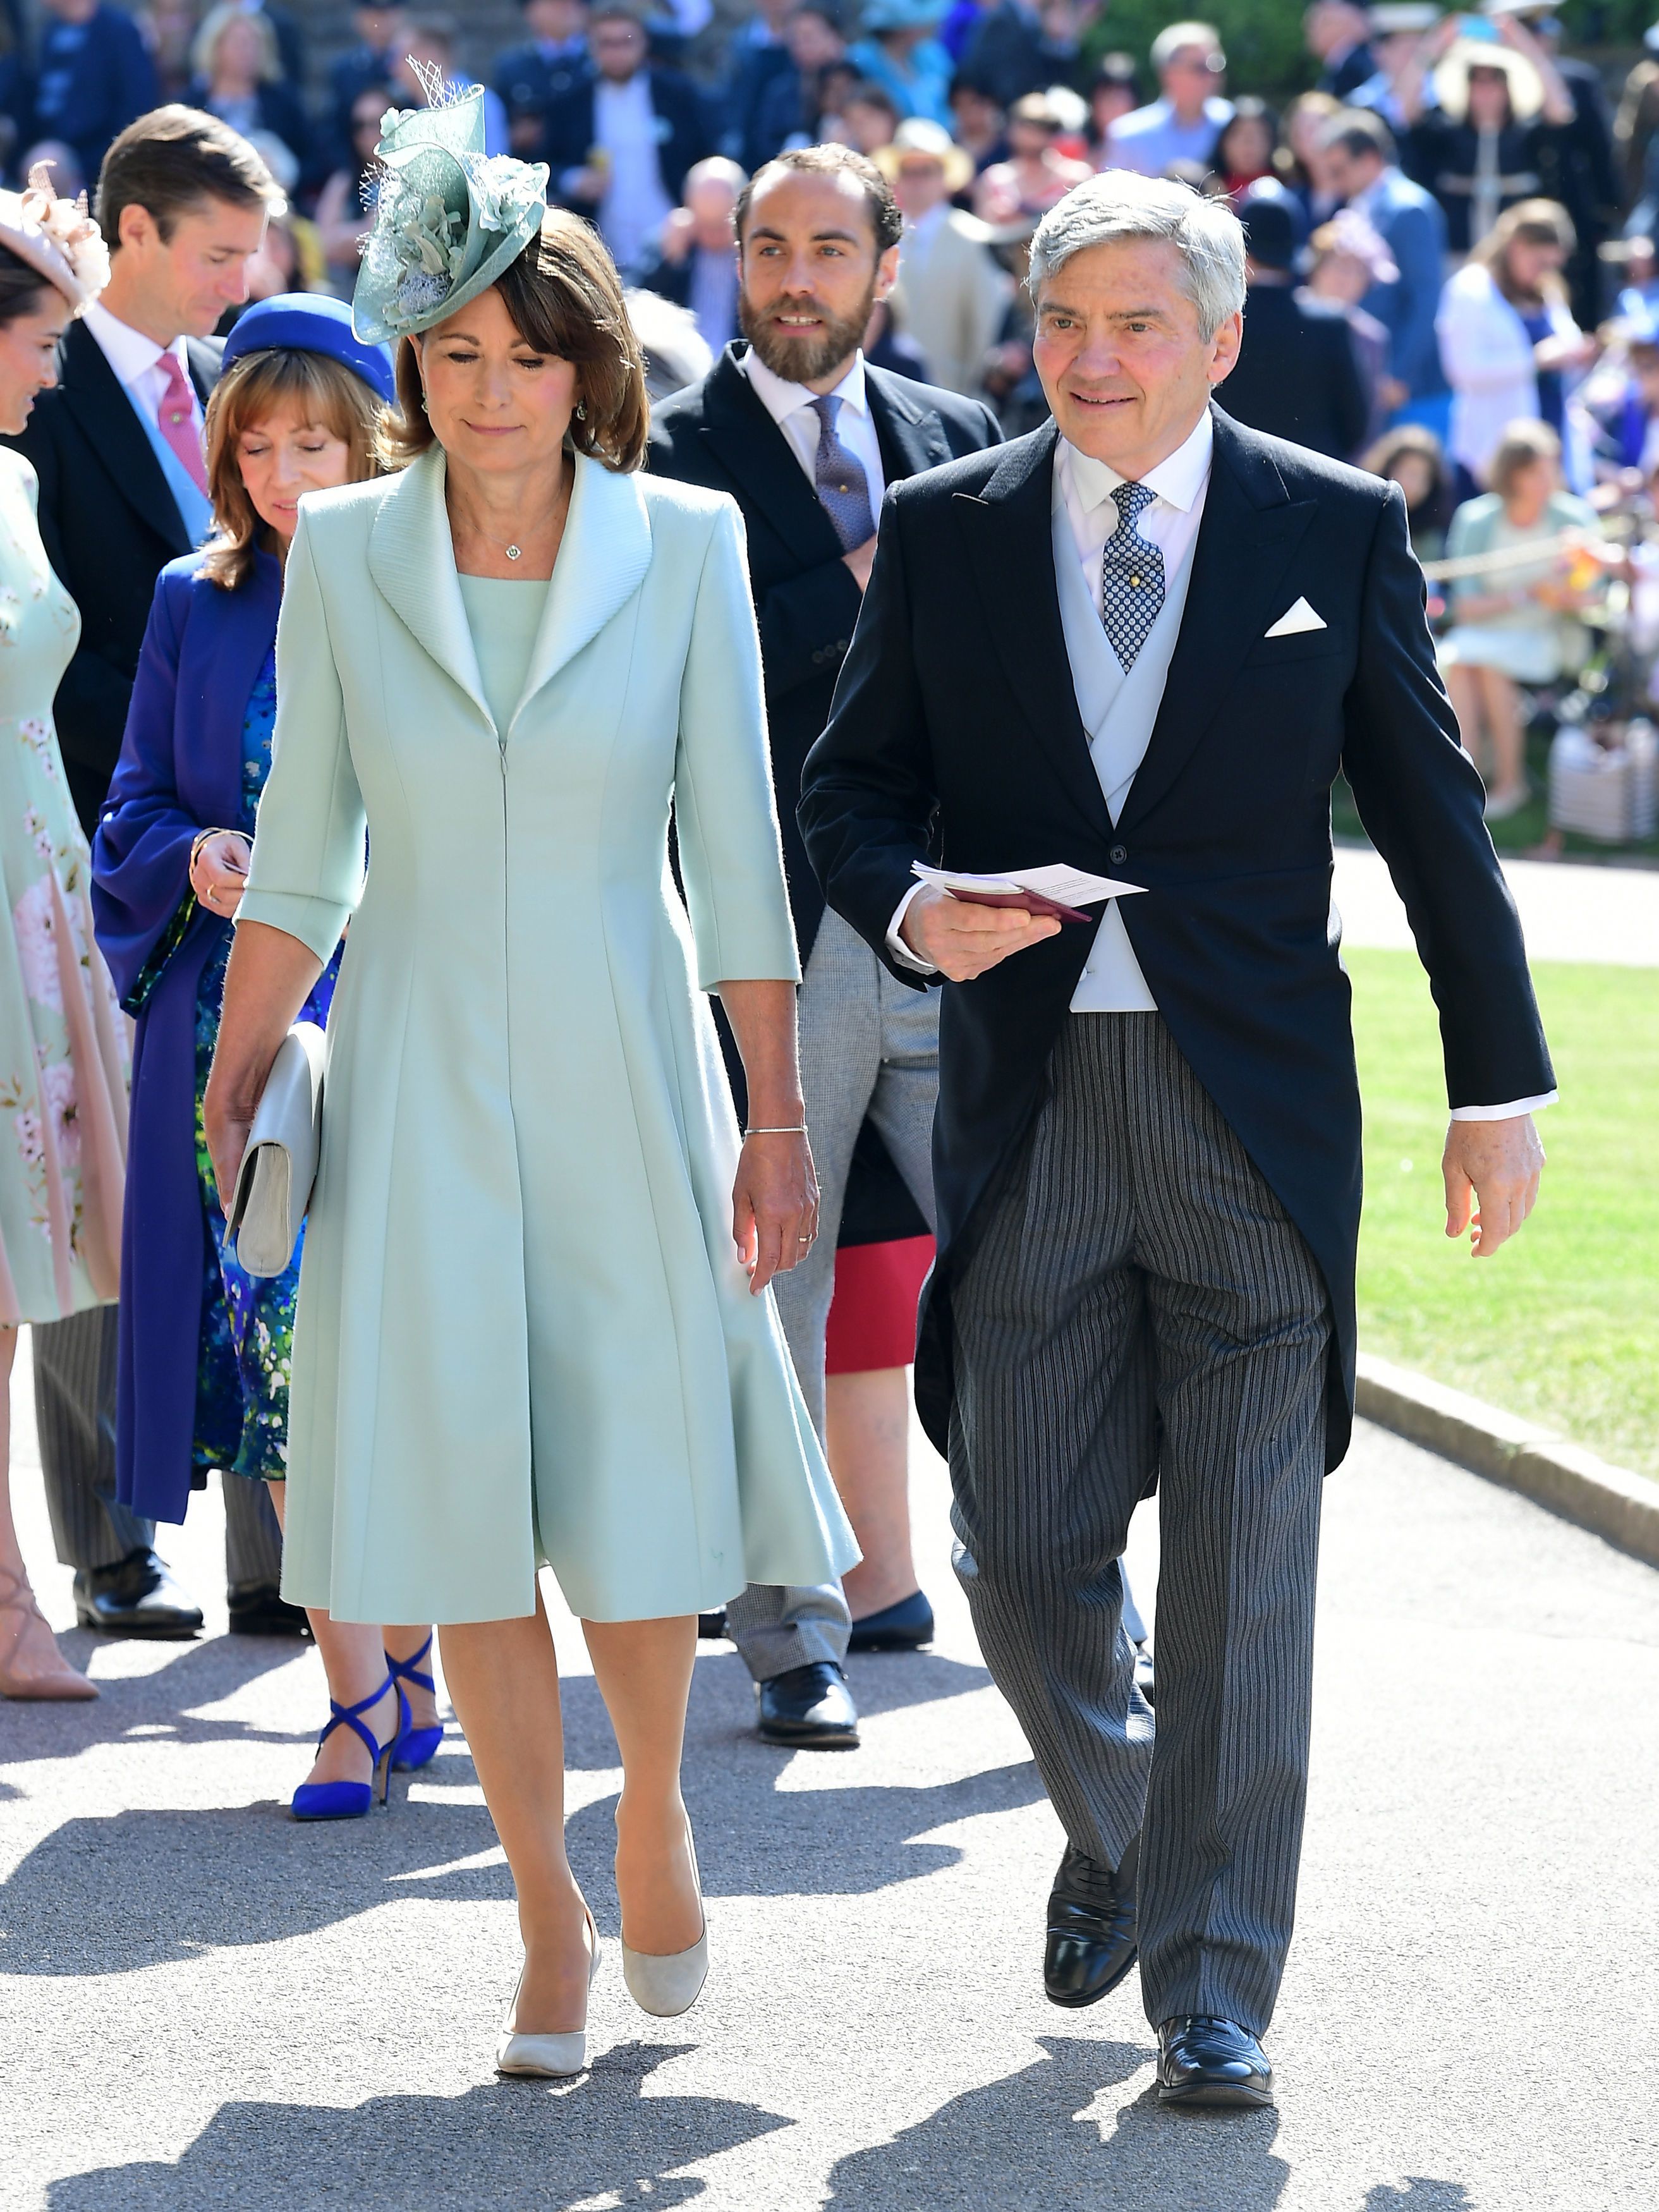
(57, 237)
(448, 219)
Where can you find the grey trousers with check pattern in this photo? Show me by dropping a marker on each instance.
(1137, 1303)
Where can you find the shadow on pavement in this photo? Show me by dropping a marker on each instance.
(1420, 2194)
(164, 1697)
(67, 1909)
(517, 2142)
(1031, 2143)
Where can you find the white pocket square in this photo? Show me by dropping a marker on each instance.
(1301, 617)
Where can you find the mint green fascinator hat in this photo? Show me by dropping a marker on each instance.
(448, 219)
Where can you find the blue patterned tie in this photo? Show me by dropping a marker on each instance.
(1131, 577)
(843, 488)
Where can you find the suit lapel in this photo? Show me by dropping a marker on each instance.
(754, 451)
(911, 438)
(244, 625)
(94, 396)
(412, 560)
(602, 559)
(1247, 536)
(1009, 529)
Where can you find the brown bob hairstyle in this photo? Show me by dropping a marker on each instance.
(327, 393)
(565, 299)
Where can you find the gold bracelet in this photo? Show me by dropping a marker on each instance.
(799, 1129)
(195, 849)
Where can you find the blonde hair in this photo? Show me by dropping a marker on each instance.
(251, 391)
(1522, 445)
(205, 47)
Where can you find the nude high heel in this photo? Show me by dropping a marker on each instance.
(547, 2057)
(667, 1984)
(49, 1676)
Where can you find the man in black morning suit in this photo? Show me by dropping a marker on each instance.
(1144, 641)
(803, 433)
(182, 203)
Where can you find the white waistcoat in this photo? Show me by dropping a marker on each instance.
(1118, 711)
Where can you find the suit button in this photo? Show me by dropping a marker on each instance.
(1118, 855)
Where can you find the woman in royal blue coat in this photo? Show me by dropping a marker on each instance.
(203, 1346)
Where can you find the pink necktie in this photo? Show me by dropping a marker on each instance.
(177, 420)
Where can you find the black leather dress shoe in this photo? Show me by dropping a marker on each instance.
(810, 1708)
(263, 1610)
(905, 1626)
(1092, 1926)
(711, 1626)
(137, 1596)
(1204, 2060)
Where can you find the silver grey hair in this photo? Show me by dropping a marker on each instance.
(1207, 234)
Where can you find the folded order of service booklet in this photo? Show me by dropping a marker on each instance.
(1058, 890)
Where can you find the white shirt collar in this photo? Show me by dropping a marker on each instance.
(1179, 478)
(781, 398)
(128, 352)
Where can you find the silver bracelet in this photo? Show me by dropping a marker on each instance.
(798, 1130)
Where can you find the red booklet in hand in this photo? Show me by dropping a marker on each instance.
(1058, 890)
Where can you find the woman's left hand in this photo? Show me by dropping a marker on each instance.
(774, 1206)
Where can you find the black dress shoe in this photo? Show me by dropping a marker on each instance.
(1092, 1926)
(1204, 2060)
(905, 1626)
(711, 1626)
(810, 1708)
(137, 1596)
(262, 1610)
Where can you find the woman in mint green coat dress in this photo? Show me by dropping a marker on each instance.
(533, 1323)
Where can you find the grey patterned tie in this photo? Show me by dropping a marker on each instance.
(1131, 577)
(843, 488)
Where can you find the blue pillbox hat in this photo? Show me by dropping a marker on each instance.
(311, 322)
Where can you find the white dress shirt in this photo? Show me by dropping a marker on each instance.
(635, 205)
(135, 360)
(1112, 981)
(790, 406)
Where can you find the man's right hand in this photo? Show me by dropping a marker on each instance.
(860, 561)
(961, 939)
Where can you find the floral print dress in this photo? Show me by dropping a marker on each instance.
(247, 1321)
(63, 1043)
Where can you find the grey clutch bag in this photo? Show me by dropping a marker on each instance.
(274, 1183)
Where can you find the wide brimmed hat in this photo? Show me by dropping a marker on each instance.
(448, 219)
(57, 237)
(930, 142)
(310, 322)
(1451, 78)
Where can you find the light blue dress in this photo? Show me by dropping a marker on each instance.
(524, 1332)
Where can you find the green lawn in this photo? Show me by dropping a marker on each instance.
(1563, 1324)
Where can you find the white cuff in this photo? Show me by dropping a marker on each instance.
(897, 945)
(1505, 1113)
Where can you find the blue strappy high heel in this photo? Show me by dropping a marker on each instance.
(349, 1800)
(415, 1746)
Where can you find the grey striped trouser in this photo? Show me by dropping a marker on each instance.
(75, 1363)
(1137, 1303)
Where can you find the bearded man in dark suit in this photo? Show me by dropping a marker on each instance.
(1143, 641)
(804, 434)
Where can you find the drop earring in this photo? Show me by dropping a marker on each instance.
(582, 410)
(425, 410)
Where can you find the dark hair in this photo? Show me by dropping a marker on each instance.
(1115, 70)
(833, 162)
(565, 298)
(20, 287)
(170, 161)
(1360, 131)
(1246, 109)
(1415, 441)
(249, 390)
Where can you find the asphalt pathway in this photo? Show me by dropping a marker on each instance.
(204, 2004)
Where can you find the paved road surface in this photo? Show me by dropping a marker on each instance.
(1570, 910)
(206, 2005)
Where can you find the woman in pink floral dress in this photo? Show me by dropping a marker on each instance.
(62, 1051)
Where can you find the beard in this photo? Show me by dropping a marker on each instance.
(792, 359)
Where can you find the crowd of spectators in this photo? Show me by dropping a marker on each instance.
(1450, 234)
